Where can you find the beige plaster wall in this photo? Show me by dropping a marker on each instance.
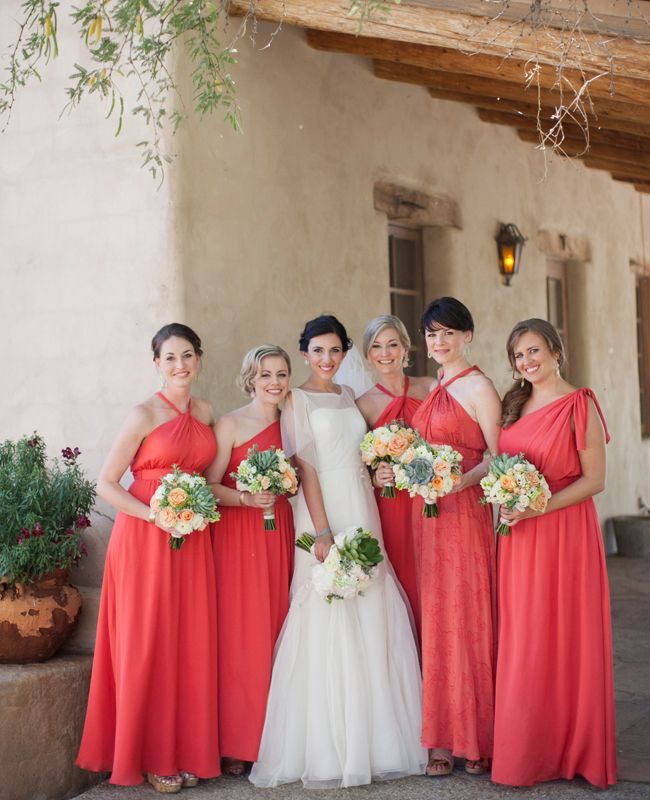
(88, 273)
(281, 225)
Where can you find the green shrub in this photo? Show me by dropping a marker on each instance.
(43, 509)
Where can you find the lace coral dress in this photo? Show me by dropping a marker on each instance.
(253, 570)
(396, 512)
(153, 692)
(458, 576)
(554, 684)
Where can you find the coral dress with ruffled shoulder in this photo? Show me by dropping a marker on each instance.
(153, 692)
(253, 569)
(458, 579)
(554, 686)
(396, 512)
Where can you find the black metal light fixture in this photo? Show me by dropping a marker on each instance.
(510, 243)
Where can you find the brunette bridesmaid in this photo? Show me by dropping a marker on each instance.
(253, 566)
(386, 346)
(153, 691)
(457, 553)
(554, 686)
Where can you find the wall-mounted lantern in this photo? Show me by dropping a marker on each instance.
(510, 243)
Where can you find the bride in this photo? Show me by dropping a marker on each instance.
(344, 704)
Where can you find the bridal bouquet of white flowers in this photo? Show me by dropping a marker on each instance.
(183, 503)
(350, 565)
(430, 471)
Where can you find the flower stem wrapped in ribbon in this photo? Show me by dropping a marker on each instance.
(429, 471)
(266, 471)
(515, 483)
(184, 503)
(386, 444)
(349, 567)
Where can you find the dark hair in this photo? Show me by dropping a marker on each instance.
(515, 398)
(175, 329)
(326, 323)
(447, 312)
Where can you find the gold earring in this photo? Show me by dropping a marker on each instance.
(521, 382)
(557, 369)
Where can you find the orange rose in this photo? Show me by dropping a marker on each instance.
(441, 467)
(167, 517)
(155, 504)
(177, 497)
(289, 481)
(455, 477)
(508, 483)
(437, 483)
(187, 515)
(397, 444)
(380, 447)
(538, 503)
(533, 479)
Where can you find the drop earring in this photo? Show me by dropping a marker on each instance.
(429, 355)
(521, 382)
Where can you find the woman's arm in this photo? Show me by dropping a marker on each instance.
(136, 427)
(592, 480)
(226, 431)
(316, 507)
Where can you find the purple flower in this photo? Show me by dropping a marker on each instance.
(38, 530)
(69, 531)
(34, 442)
(70, 456)
(82, 522)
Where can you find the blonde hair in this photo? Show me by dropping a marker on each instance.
(378, 324)
(251, 364)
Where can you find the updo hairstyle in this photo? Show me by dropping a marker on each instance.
(379, 324)
(447, 312)
(516, 397)
(326, 323)
(175, 329)
(252, 361)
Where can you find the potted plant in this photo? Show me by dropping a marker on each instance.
(44, 507)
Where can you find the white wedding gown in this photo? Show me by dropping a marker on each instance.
(344, 705)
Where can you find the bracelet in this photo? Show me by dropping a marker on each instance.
(241, 499)
(152, 516)
(324, 532)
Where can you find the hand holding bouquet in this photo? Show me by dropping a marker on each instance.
(430, 471)
(516, 484)
(349, 567)
(183, 503)
(266, 471)
(385, 445)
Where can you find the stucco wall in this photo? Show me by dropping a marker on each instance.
(281, 226)
(252, 234)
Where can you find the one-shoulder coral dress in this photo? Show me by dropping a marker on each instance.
(153, 692)
(554, 686)
(253, 569)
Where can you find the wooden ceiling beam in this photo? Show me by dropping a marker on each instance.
(453, 60)
(576, 147)
(419, 23)
(617, 168)
(571, 130)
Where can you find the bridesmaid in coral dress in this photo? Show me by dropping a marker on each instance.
(554, 687)
(157, 618)
(253, 566)
(386, 345)
(457, 553)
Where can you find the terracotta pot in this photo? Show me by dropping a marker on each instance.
(36, 618)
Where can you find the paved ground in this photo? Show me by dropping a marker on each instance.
(630, 586)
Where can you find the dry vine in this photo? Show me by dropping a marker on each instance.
(568, 26)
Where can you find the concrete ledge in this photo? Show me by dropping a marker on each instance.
(42, 709)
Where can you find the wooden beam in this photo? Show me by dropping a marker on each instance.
(571, 130)
(576, 147)
(640, 186)
(453, 60)
(616, 168)
(422, 24)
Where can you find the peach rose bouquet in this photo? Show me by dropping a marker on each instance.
(386, 444)
(183, 503)
(266, 471)
(515, 483)
(429, 471)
